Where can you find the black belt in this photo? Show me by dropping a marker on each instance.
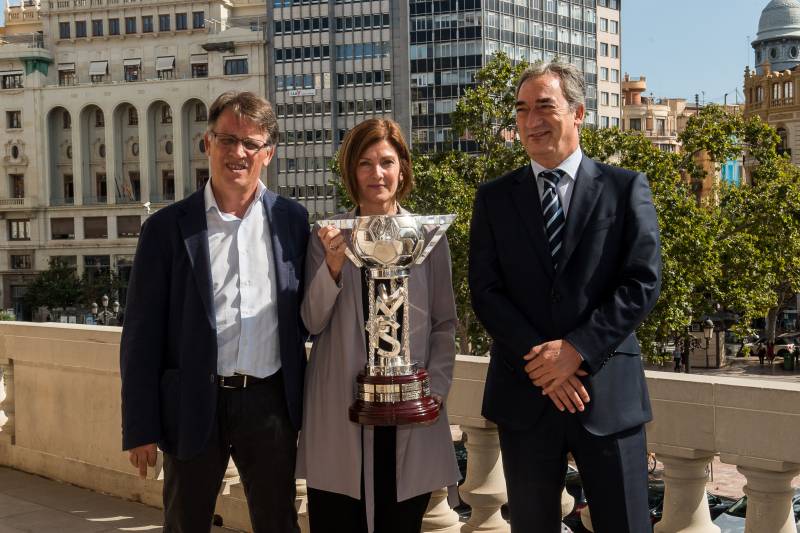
(239, 381)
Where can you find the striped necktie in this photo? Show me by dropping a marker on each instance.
(554, 219)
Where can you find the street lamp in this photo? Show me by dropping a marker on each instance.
(708, 331)
(105, 317)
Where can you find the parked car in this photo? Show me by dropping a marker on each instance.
(733, 519)
(784, 344)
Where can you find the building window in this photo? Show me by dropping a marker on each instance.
(603, 26)
(66, 261)
(96, 266)
(604, 98)
(613, 26)
(180, 21)
(16, 184)
(97, 28)
(235, 65)
(603, 121)
(166, 114)
(80, 28)
(131, 69)
(614, 100)
(614, 51)
(604, 49)
(200, 177)
(66, 74)
(129, 226)
(199, 70)
(95, 227)
(99, 120)
(13, 119)
(98, 71)
(133, 116)
(113, 26)
(11, 79)
(130, 25)
(776, 92)
(19, 230)
(69, 191)
(788, 91)
(615, 122)
(614, 75)
(147, 24)
(168, 185)
(661, 126)
(636, 124)
(165, 67)
(603, 73)
(100, 187)
(198, 19)
(63, 30)
(200, 113)
(62, 228)
(135, 187)
(163, 23)
(21, 261)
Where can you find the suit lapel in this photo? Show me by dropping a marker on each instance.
(525, 195)
(278, 220)
(194, 231)
(585, 195)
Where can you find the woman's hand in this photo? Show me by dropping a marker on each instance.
(334, 245)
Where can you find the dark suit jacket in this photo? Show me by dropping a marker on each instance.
(168, 353)
(607, 282)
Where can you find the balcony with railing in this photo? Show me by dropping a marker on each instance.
(26, 45)
(62, 420)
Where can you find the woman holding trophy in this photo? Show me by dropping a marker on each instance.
(367, 471)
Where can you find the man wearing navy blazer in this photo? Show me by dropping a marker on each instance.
(212, 354)
(564, 265)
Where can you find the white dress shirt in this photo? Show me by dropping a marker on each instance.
(244, 288)
(567, 183)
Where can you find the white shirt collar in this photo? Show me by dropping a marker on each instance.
(211, 201)
(570, 165)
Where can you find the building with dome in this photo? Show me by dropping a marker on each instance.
(771, 87)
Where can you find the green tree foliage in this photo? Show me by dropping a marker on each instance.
(58, 286)
(739, 250)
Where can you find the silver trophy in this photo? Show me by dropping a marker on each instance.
(391, 390)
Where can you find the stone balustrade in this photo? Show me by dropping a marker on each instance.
(59, 417)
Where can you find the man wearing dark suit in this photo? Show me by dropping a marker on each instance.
(212, 355)
(564, 265)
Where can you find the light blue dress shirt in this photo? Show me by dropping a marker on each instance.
(567, 183)
(244, 288)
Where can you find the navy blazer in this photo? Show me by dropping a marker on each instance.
(607, 282)
(168, 352)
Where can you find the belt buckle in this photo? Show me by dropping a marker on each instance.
(222, 383)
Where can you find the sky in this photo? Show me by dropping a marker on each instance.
(685, 47)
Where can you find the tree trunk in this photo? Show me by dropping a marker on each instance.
(772, 318)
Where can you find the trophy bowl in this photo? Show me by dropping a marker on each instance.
(387, 242)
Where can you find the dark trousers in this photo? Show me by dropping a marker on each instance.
(253, 426)
(330, 512)
(613, 471)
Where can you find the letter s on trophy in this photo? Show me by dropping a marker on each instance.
(391, 390)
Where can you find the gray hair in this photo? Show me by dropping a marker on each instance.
(246, 105)
(573, 84)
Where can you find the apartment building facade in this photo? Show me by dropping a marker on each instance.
(103, 105)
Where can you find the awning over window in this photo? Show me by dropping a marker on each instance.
(98, 68)
(11, 73)
(132, 62)
(197, 59)
(234, 58)
(66, 66)
(165, 63)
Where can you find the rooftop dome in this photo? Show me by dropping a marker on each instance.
(781, 18)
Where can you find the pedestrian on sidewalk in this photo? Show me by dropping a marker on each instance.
(676, 356)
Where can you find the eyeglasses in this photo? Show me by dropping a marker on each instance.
(251, 146)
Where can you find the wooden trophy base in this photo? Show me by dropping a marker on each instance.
(394, 400)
